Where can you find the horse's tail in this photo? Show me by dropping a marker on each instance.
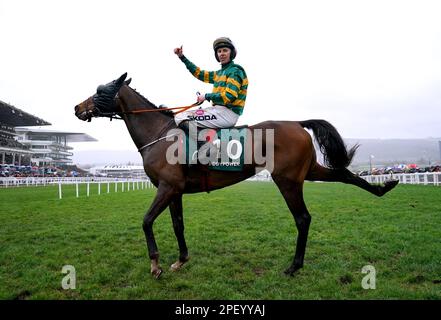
(331, 144)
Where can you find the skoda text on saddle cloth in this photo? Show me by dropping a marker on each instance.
(250, 146)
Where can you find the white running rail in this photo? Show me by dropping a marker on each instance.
(424, 178)
(105, 185)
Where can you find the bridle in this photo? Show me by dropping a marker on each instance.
(118, 115)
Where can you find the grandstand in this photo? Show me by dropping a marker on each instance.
(12, 151)
(50, 147)
(22, 144)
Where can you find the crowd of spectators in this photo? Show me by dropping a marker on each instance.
(9, 170)
(11, 143)
(412, 168)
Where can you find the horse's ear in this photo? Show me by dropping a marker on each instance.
(127, 82)
(121, 79)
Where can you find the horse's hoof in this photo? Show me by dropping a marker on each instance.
(389, 185)
(178, 264)
(157, 273)
(291, 270)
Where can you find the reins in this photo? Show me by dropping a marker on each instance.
(182, 109)
(117, 115)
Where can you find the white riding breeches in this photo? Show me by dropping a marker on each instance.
(211, 117)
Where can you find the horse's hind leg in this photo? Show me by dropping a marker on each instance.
(293, 195)
(319, 173)
(178, 226)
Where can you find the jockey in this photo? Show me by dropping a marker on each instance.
(229, 90)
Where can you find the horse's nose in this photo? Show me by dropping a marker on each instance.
(78, 114)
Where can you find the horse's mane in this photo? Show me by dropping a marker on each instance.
(166, 112)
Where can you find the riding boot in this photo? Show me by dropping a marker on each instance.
(184, 125)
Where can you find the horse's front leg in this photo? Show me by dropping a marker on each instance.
(163, 198)
(178, 226)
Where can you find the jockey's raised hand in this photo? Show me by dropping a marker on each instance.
(179, 51)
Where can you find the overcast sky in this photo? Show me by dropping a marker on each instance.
(371, 68)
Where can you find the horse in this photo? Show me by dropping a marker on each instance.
(294, 161)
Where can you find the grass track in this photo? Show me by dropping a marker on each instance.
(240, 240)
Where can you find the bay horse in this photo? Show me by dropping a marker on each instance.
(294, 162)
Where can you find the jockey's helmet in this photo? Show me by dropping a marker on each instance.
(224, 42)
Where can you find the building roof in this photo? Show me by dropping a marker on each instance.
(70, 136)
(14, 117)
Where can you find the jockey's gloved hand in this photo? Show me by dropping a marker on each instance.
(201, 98)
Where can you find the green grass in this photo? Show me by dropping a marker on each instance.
(240, 240)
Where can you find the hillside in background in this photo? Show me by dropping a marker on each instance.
(395, 151)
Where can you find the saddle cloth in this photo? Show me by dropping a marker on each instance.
(218, 149)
